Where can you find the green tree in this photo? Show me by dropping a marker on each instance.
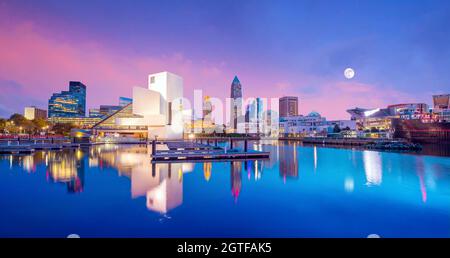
(40, 123)
(19, 124)
(18, 119)
(2, 125)
(63, 129)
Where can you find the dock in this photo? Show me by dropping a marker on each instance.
(16, 149)
(191, 151)
(30, 146)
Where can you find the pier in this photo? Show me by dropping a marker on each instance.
(193, 151)
(27, 146)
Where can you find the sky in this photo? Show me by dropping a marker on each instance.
(399, 49)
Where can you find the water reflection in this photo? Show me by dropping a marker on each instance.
(236, 179)
(288, 160)
(67, 167)
(372, 167)
(207, 167)
(161, 185)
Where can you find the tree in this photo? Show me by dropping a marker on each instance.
(40, 123)
(2, 125)
(20, 124)
(63, 129)
(336, 129)
(18, 119)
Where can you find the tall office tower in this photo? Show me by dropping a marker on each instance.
(254, 110)
(236, 103)
(288, 106)
(250, 111)
(32, 112)
(70, 103)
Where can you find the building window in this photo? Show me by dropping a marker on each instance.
(170, 113)
(152, 79)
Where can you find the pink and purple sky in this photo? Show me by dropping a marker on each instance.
(400, 50)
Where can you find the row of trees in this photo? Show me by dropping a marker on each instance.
(19, 124)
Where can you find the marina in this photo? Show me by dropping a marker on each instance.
(185, 150)
(112, 190)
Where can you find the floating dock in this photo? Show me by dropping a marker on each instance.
(31, 147)
(191, 151)
(208, 155)
(16, 149)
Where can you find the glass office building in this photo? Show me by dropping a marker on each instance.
(70, 103)
(123, 101)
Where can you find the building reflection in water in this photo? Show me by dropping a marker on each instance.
(372, 167)
(349, 184)
(420, 168)
(315, 158)
(67, 167)
(160, 184)
(288, 161)
(207, 167)
(255, 168)
(236, 178)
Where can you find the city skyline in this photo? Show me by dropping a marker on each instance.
(298, 48)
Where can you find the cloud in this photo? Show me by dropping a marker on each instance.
(335, 97)
(37, 65)
(13, 99)
(42, 66)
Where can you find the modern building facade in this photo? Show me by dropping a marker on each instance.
(123, 101)
(33, 112)
(254, 115)
(288, 106)
(378, 122)
(408, 108)
(236, 116)
(70, 103)
(82, 122)
(106, 110)
(312, 124)
(95, 112)
(156, 111)
(441, 102)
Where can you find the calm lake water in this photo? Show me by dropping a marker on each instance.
(302, 191)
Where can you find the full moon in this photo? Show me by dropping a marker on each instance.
(349, 73)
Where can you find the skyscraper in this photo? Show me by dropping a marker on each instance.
(288, 106)
(70, 103)
(236, 102)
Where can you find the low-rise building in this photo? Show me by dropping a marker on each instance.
(82, 122)
(312, 124)
(33, 112)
